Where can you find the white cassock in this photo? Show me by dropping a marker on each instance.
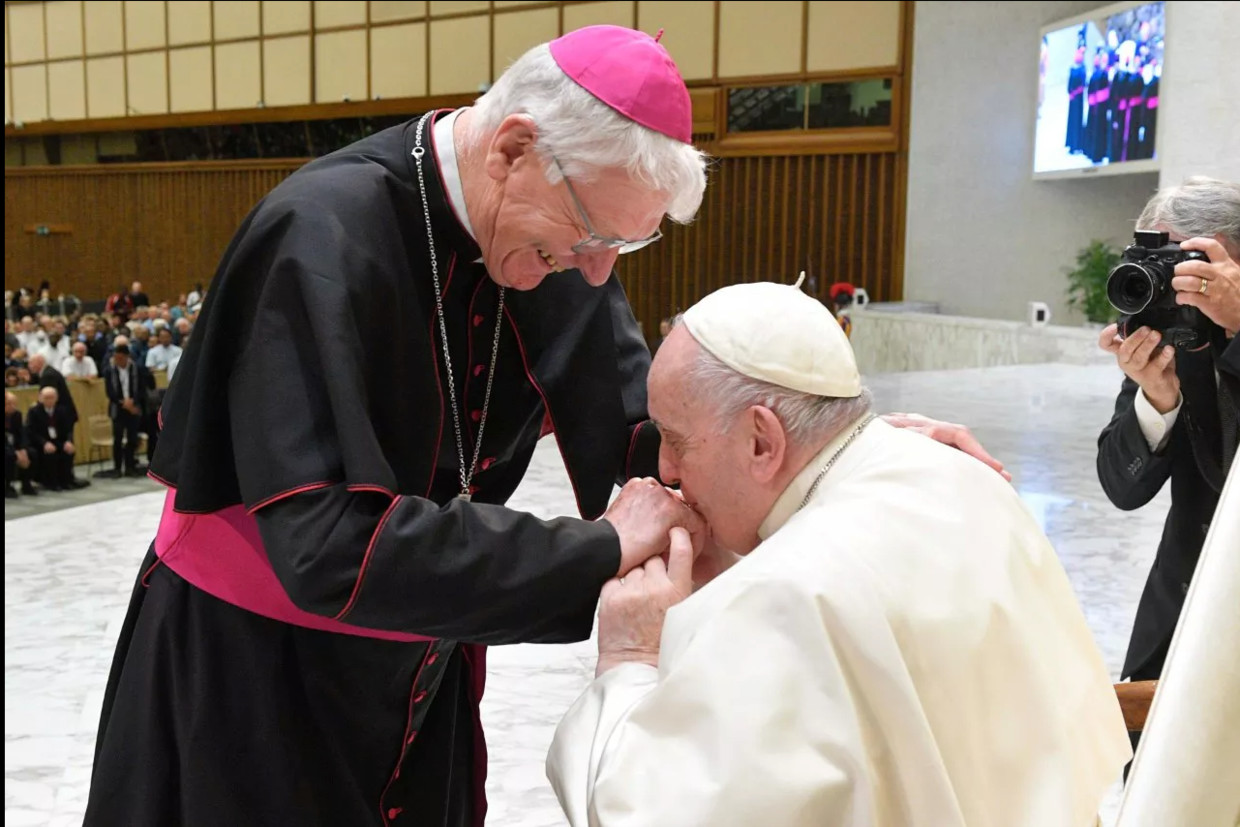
(905, 651)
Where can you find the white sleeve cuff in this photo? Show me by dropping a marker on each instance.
(1156, 427)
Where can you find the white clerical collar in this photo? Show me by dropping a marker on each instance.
(446, 161)
(789, 502)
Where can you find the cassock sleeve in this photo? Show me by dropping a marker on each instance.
(752, 724)
(312, 469)
(1130, 473)
(633, 361)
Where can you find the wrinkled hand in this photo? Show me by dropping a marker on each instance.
(49, 448)
(1221, 275)
(642, 516)
(1145, 362)
(632, 608)
(23, 459)
(957, 436)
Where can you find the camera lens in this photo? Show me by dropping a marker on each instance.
(1130, 287)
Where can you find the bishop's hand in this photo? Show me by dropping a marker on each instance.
(948, 433)
(642, 515)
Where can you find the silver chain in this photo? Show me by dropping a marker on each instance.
(814, 485)
(467, 475)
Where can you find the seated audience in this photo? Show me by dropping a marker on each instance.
(79, 365)
(159, 356)
(49, 426)
(893, 643)
(44, 375)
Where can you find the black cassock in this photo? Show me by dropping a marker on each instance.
(314, 397)
(1076, 108)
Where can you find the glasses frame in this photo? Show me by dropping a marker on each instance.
(593, 242)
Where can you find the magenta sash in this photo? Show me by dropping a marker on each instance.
(222, 554)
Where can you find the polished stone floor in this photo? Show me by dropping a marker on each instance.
(67, 578)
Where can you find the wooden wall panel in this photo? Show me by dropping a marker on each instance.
(163, 224)
(768, 218)
(764, 218)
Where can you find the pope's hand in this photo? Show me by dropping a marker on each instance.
(642, 516)
(632, 608)
(957, 436)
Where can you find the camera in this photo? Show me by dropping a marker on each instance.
(1140, 289)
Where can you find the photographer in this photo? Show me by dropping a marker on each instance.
(1176, 415)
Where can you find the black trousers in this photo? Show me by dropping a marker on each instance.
(12, 472)
(52, 470)
(125, 438)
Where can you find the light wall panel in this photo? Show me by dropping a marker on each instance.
(189, 21)
(439, 8)
(235, 19)
(382, 11)
(144, 24)
(237, 79)
(66, 90)
(847, 35)
(398, 61)
(190, 79)
(329, 13)
(105, 26)
(147, 79)
(455, 48)
(759, 38)
(30, 93)
(105, 87)
(285, 16)
(64, 29)
(616, 13)
(286, 70)
(25, 32)
(340, 66)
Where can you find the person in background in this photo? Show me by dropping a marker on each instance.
(841, 295)
(119, 304)
(159, 356)
(195, 297)
(1176, 414)
(44, 375)
(16, 451)
(137, 296)
(49, 426)
(79, 365)
(126, 386)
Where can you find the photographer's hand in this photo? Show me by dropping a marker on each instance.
(1144, 362)
(1220, 278)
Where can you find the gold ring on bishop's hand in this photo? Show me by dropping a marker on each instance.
(1205, 285)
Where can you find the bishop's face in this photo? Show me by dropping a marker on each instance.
(536, 224)
(710, 463)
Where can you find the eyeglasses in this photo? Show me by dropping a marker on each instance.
(595, 243)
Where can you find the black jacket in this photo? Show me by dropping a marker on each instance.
(1131, 475)
(14, 431)
(38, 422)
(140, 383)
(52, 378)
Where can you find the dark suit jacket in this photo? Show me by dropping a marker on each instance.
(15, 431)
(37, 423)
(140, 382)
(1131, 475)
(52, 378)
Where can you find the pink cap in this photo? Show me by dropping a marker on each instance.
(630, 72)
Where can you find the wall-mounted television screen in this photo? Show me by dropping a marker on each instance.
(1098, 81)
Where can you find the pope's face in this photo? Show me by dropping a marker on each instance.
(536, 223)
(706, 458)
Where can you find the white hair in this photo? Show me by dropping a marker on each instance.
(1200, 206)
(585, 134)
(807, 418)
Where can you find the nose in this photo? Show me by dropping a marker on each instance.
(597, 267)
(667, 467)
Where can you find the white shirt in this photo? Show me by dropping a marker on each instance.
(1156, 427)
(450, 170)
(172, 365)
(84, 368)
(123, 374)
(55, 354)
(905, 651)
(158, 357)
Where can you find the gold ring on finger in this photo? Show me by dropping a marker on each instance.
(1205, 286)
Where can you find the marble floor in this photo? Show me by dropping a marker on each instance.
(67, 577)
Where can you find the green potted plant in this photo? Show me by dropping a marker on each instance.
(1087, 281)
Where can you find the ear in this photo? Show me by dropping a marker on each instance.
(513, 140)
(768, 443)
